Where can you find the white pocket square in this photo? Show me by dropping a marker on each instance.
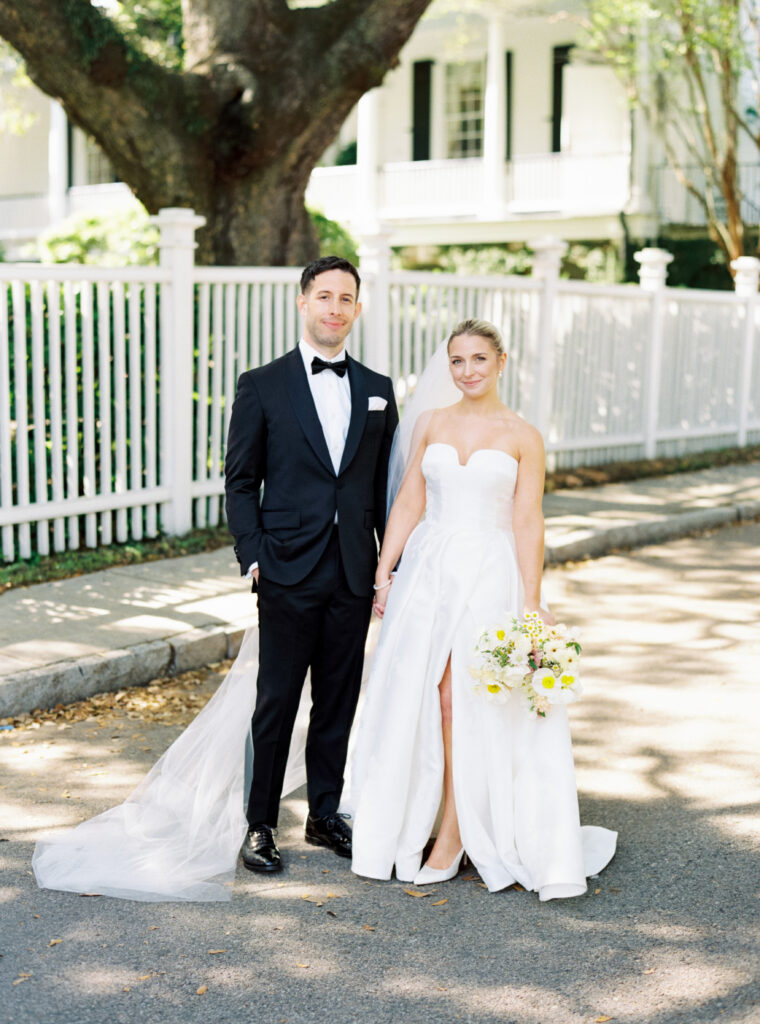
(377, 404)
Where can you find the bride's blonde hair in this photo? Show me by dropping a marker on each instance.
(479, 329)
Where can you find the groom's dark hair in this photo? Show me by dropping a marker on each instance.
(325, 263)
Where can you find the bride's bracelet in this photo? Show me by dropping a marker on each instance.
(382, 586)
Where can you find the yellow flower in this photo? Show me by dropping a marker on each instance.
(500, 634)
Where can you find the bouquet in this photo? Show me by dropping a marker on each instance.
(539, 661)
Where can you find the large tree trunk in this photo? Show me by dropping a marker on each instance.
(236, 134)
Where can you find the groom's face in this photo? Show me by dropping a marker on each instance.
(329, 308)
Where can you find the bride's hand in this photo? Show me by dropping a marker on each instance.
(380, 599)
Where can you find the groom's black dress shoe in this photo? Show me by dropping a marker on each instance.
(260, 851)
(332, 831)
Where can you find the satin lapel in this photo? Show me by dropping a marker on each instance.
(305, 410)
(359, 406)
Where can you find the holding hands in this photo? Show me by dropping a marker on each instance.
(382, 588)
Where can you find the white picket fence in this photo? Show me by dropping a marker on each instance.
(116, 385)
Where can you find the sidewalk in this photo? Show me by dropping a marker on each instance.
(66, 640)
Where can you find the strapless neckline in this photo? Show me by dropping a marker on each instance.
(478, 451)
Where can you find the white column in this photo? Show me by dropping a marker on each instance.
(368, 162)
(375, 262)
(494, 124)
(57, 164)
(653, 272)
(177, 246)
(746, 280)
(547, 258)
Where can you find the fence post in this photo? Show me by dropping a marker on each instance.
(653, 271)
(547, 257)
(747, 270)
(375, 260)
(177, 246)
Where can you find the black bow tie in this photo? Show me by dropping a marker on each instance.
(339, 367)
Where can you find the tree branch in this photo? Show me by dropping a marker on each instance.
(127, 102)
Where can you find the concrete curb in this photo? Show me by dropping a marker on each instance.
(66, 681)
(655, 531)
(76, 679)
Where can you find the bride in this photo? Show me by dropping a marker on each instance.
(476, 471)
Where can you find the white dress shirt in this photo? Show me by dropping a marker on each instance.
(332, 398)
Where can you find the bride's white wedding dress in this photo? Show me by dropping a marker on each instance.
(177, 837)
(514, 779)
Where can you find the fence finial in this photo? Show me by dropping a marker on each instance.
(547, 256)
(746, 275)
(653, 267)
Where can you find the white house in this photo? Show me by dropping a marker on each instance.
(492, 128)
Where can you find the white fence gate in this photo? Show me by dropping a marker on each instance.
(116, 385)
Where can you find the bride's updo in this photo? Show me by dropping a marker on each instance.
(478, 329)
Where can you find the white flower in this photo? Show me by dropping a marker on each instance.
(545, 683)
(571, 688)
(552, 648)
(493, 692)
(523, 646)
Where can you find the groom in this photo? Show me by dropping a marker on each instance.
(315, 429)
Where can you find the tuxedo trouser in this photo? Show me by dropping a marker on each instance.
(318, 624)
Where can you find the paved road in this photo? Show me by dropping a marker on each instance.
(667, 753)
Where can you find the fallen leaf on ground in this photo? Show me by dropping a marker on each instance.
(312, 899)
(201, 990)
(213, 952)
(602, 1019)
(144, 977)
(368, 927)
(332, 913)
(126, 989)
(325, 871)
(469, 878)
(518, 888)
(650, 970)
(55, 942)
(484, 886)
(302, 965)
(416, 894)
(439, 903)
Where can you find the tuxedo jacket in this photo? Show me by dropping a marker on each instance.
(276, 440)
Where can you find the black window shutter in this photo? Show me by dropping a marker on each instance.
(421, 97)
(561, 57)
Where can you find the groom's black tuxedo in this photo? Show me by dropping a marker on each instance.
(315, 576)
(275, 436)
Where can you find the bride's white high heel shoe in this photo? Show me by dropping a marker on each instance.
(426, 875)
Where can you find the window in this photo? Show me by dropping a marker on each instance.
(99, 167)
(465, 87)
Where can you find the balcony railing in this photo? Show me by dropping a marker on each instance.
(432, 190)
(676, 205)
(560, 183)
